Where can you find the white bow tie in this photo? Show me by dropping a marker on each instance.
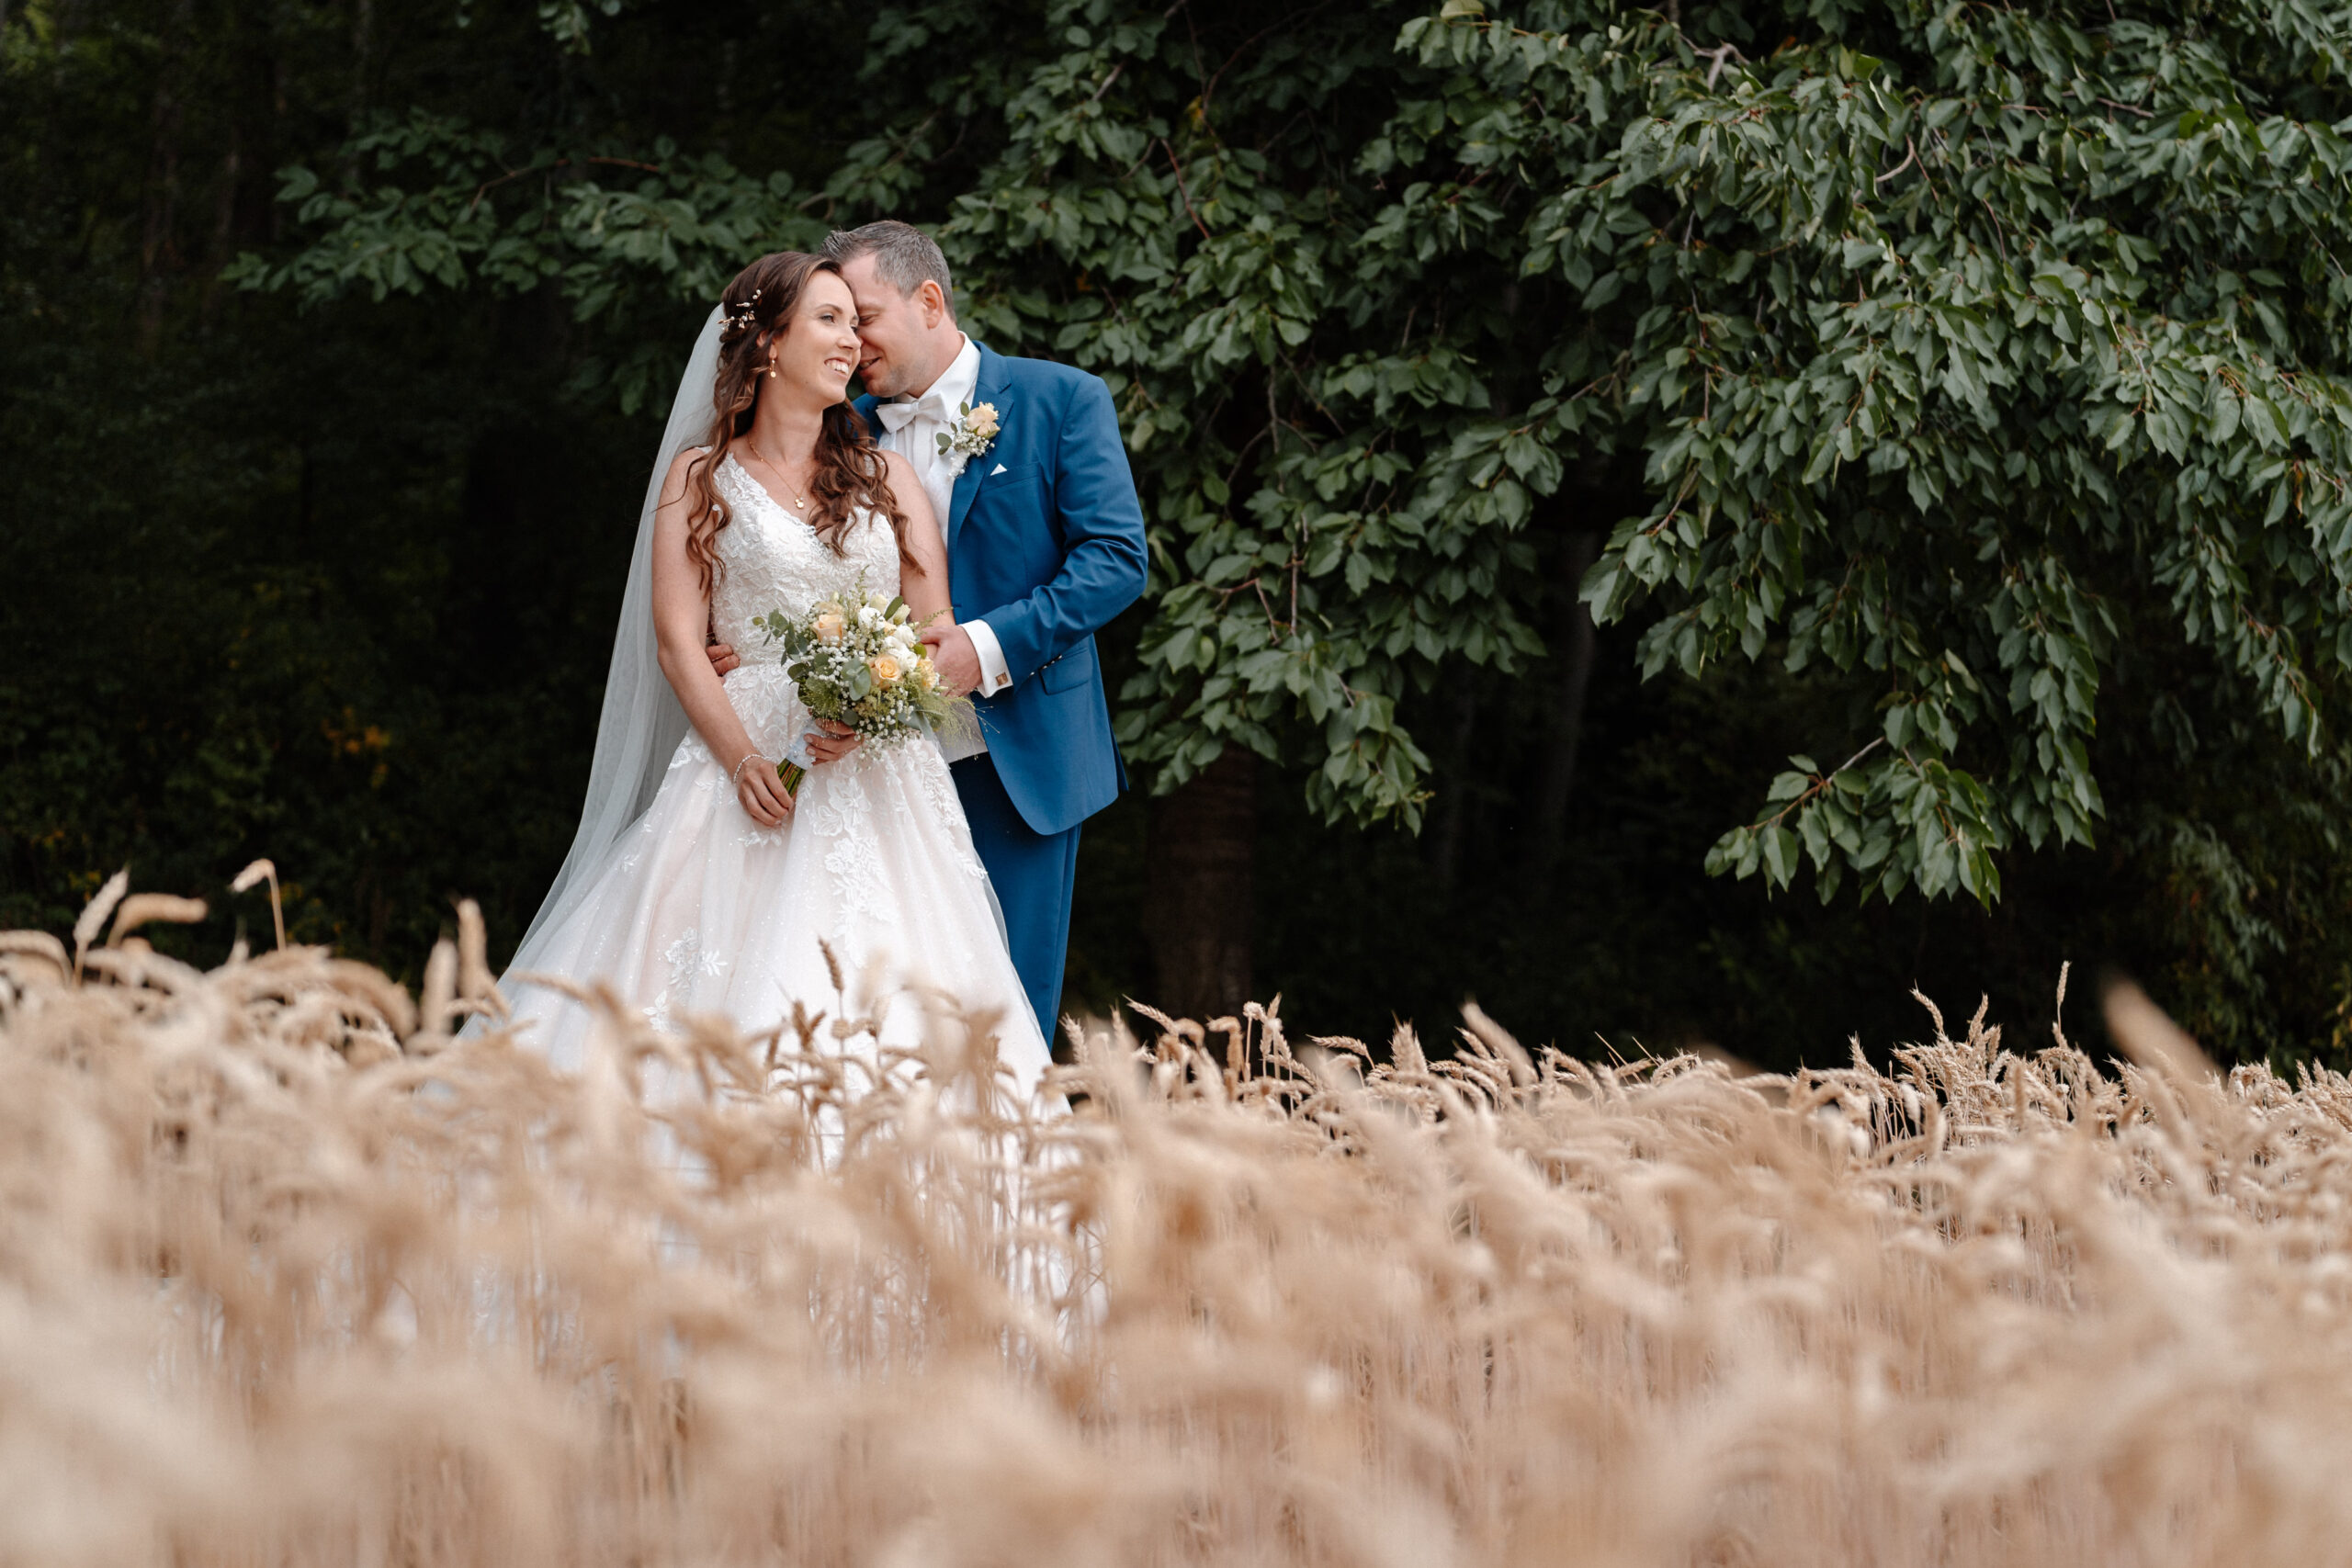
(897, 416)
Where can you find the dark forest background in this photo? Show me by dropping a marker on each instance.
(331, 581)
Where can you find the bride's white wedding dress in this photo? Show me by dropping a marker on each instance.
(696, 908)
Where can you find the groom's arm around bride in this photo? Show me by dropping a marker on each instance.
(1045, 547)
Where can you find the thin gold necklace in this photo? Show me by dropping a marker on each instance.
(778, 472)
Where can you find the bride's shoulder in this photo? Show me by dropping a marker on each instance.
(683, 469)
(696, 459)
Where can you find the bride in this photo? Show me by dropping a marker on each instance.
(696, 885)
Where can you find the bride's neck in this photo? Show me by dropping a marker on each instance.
(785, 433)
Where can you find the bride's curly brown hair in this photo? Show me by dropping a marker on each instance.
(851, 475)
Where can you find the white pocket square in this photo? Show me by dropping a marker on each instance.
(998, 469)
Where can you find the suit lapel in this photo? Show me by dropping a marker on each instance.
(992, 386)
(864, 408)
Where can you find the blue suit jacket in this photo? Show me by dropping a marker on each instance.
(1046, 542)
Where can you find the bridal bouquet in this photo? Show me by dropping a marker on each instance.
(855, 659)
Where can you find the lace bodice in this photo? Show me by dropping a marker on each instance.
(775, 562)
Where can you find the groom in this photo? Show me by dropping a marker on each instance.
(1044, 546)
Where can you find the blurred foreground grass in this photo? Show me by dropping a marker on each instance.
(293, 1272)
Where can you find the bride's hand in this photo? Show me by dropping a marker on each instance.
(835, 742)
(762, 793)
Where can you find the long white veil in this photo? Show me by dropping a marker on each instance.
(642, 722)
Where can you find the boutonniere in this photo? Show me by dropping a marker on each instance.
(972, 433)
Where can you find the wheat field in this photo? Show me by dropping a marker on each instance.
(294, 1271)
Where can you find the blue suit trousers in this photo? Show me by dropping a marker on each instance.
(1035, 875)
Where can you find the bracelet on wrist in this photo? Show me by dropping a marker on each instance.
(748, 757)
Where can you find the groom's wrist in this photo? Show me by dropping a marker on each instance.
(994, 676)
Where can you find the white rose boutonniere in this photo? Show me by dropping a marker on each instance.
(973, 432)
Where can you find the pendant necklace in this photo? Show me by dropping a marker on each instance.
(784, 478)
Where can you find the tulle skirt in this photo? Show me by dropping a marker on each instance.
(700, 910)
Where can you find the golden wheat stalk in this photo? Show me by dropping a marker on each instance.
(292, 1273)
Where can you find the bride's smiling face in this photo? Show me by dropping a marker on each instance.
(817, 352)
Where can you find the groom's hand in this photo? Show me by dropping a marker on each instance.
(833, 741)
(722, 658)
(957, 659)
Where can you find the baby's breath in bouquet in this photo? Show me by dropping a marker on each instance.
(857, 661)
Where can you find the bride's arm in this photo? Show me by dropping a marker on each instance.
(681, 619)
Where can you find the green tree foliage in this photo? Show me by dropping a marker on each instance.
(1964, 345)
(1950, 366)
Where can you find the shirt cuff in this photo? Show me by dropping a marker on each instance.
(993, 676)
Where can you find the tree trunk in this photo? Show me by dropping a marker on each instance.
(224, 224)
(1201, 857)
(158, 245)
(1454, 788)
(363, 51)
(1581, 549)
(243, 211)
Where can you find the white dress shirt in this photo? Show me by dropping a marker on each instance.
(916, 440)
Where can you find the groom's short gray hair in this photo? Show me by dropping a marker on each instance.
(904, 256)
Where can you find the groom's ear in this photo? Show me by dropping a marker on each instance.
(932, 301)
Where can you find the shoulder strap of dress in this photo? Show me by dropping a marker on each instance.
(728, 480)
